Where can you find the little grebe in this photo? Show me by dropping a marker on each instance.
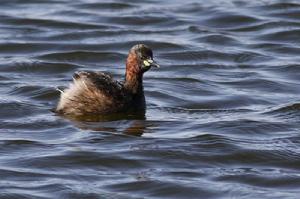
(97, 93)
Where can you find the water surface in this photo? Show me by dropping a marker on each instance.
(223, 110)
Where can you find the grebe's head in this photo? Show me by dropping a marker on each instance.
(141, 56)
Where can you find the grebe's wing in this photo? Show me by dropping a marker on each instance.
(99, 82)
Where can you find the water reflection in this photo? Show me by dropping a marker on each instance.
(135, 126)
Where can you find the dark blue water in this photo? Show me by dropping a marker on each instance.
(223, 110)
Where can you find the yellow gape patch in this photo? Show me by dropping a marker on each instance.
(146, 63)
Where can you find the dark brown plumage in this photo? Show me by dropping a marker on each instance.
(97, 93)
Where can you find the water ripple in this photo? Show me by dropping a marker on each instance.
(223, 110)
